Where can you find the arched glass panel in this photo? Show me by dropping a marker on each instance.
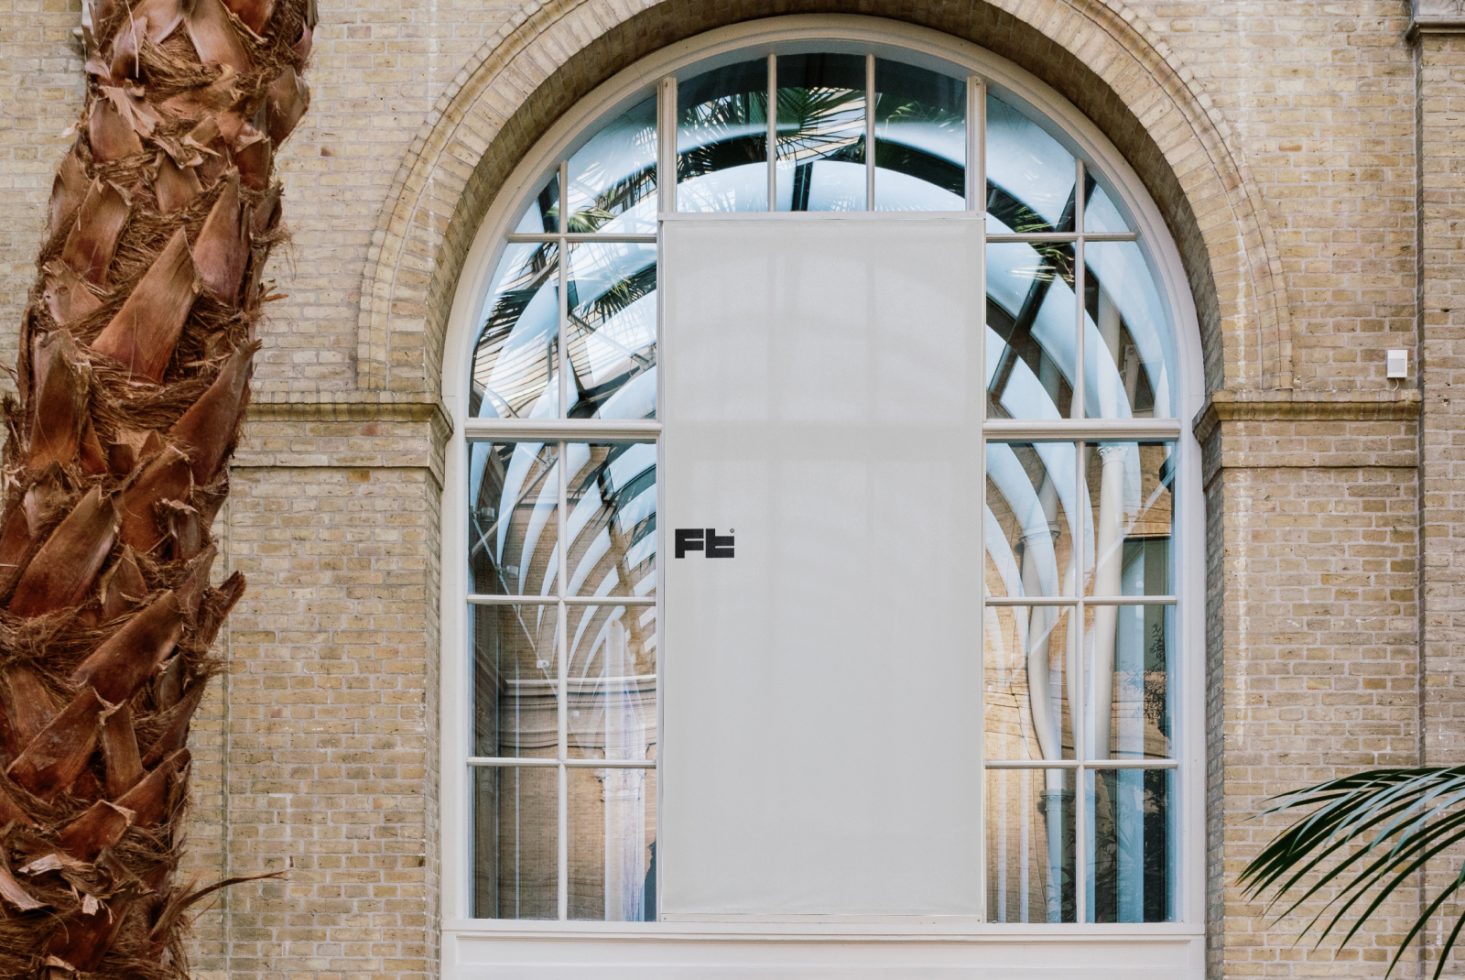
(1076, 472)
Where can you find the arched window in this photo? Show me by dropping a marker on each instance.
(756, 275)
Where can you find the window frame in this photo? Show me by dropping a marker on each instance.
(1083, 139)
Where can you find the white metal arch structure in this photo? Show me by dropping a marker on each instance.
(1091, 632)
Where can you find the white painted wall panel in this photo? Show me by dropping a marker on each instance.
(822, 708)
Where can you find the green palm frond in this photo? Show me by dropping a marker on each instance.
(1366, 835)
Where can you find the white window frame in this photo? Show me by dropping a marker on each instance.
(480, 947)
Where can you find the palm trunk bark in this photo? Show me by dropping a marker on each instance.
(133, 376)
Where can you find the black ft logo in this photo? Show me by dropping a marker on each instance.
(708, 541)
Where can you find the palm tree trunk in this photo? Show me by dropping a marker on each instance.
(133, 376)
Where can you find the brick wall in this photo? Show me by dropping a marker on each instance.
(1279, 139)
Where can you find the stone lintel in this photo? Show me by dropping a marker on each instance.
(1438, 17)
(1303, 405)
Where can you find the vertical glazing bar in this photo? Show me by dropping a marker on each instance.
(1078, 709)
(869, 132)
(1079, 287)
(974, 141)
(772, 114)
(976, 145)
(562, 647)
(562, 277)
(666, 145)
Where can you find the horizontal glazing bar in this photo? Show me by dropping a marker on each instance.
(1089, 600)
(1089, 764)
(573, 600)
(1087, 430)
(1064, 236)
(570, 430)
(580, 236)
(494, 762)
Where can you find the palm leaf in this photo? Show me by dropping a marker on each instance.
(1365, 835)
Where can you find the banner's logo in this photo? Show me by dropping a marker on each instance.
(707, 541)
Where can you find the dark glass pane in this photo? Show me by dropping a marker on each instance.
(821, 132)
(1103, 214)
(1129, 340)
(1132, 872)
(1031, 520)
(613, 845)
(722, 139)
(514, 361)
(1129, 489)
(515, 843)
(1032, 326)
(612, 683)
(920, 139)
(513, 494)
(515, 681)
(1027, 715)
(612, 330)
(1030, 175)
(611, 527)
(1030, 846)
(612, 178)
(543, 213)
(1127, 666)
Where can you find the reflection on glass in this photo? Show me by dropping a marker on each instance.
(1103, 215)
(1031, 520)
(611, 526)
(722, 139)
(1131, 876)
(1030, 175)
(543, 213)
(821, 132)
(613, 844)
(514, 367)
(920, 139)
(515, 843)
(1031, 325)
(1027, 712)
(1030, 845)
(1129, 490)
(512, 497)
(612, 178)
(1129, 343)
(612, 683)
(611, 292)
(1127, 658)
(515, 681)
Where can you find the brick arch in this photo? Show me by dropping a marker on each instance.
(1096, 53)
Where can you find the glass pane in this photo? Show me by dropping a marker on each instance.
(514, 360)
(612, 331)
(1032, 321)
(612, 178)
(515, 843)
(1030, 845)
(611, 529)
(1030, 519)
(513, 493)
(1129, 340)
(821, 132)
(1027, 683)
(612, 683)
(722, 139)
(1102, 213)
(920, 139)
(515, 681)
(1129, 490)
(1030, 175)
(542, 216)
(1131, 877)
(1127, 671)
(613, 845)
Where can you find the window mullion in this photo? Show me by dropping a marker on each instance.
(562, 647)
(772, 114)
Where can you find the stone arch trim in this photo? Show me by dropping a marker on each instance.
(1098, 54)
